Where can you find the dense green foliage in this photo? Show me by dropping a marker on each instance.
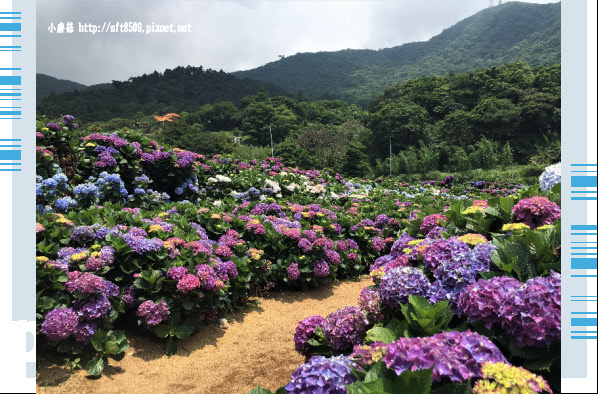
(513, 31)
(465, 121)
(177, 90)
(486, 119)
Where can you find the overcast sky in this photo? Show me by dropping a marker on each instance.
(229, 34)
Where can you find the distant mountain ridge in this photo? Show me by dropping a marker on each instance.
(46, 85)
(495, 36)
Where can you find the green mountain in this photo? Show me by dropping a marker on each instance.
(181, 89)
(498, 35)
(46, 84)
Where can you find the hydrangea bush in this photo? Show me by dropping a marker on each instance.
(135, 235)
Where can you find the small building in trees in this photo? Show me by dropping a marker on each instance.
(171, 117)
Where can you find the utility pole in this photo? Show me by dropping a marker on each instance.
(271, 141)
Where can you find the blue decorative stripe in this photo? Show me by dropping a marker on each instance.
(583, 227)
(10, 80)
(583, 322)
(10, 154)
(583, 181)
(10, 27)
(584, 264)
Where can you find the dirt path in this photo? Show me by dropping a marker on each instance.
(258, 348)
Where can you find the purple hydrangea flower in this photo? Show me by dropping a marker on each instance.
(321, 269)
(208, 278)
(226, 270)
(332, 257)
(305, 245)
(369, 303)
(381, 220)
(154, 313)
(177, 273)
(345, 328)
(400, 244)
(537, 211)
(84, 332)
(293, 271)
(443, 250)
(322, 375)
(142, 245)
(431, 221)
(435, 233)
(457, 356)
(92, 307)
(187, 283)
(459, 272)
(352, 244)
(129, 297)
(59, 324)
(83, 234)
(53, 126)
(532, 314)
(529, 313)
(482, 300)
(85, 283)
(399, 283)
(305, 330)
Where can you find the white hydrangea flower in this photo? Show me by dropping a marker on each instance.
(273, 185)
(222, 178)
(550, 177)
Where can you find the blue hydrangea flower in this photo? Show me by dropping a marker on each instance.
(63, 204)
(322, 375)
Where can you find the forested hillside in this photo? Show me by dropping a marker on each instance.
(45, 85)
(506, 33)
(480, 119)
(176, 90)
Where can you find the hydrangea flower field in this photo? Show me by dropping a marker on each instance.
(131, 234)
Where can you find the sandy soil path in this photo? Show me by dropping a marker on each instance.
(256, 349)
